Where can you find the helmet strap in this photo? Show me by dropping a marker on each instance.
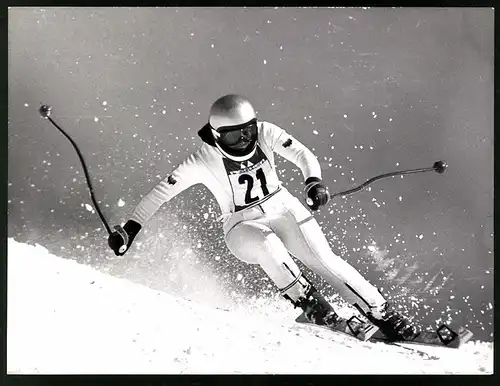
(234, 157)
(215, 133)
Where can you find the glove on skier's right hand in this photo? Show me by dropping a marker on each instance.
(115, 240)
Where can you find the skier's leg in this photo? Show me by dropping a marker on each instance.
(303, 237)
(255, 243)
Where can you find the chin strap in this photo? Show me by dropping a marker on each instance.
(237, 158)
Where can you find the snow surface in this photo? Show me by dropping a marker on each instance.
(65, 317)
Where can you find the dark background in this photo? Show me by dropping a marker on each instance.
(368, 90)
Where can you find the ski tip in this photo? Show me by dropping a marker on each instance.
(464, 335)
(452, 338)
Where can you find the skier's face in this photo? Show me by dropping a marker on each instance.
(239, 138)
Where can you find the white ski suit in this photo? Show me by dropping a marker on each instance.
(263, 223)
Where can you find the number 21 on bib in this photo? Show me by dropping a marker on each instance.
(252, 183)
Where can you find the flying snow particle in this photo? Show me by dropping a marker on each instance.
(104, 103)
(213, 45)
(265, 61)
(239, 277)
(420, 237)
(390, 119)
(400, 198)
(205, 215)
(198, 245)
(121, 202)
(96, 119)
(315, 132)
(217, 257)
(89, 207)
(163, 112)
(26, 105)
(345, 115)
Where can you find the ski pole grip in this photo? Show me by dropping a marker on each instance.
(124, 236)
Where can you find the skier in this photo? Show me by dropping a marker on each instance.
(262, 222)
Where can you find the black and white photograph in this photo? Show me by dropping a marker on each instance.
(250, 190)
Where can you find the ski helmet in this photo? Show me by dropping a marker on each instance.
(234, 127)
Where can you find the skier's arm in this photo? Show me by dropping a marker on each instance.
(184, 176)
(294, 151)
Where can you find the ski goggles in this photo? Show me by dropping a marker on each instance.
(232, 135)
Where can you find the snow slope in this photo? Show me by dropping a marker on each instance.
(64, 317)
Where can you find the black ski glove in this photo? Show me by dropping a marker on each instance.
(115, 240)
(316, 193)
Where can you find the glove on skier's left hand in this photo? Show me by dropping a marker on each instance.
(316, 193)
(115, 240)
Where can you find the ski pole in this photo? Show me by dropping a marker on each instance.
(45, 111)
(438, 167)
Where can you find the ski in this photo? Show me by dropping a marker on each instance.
(353, 326)
(444, 336)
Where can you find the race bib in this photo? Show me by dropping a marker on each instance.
(252, 181)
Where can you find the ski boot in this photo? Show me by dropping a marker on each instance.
(317, 309)
(393, 325)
